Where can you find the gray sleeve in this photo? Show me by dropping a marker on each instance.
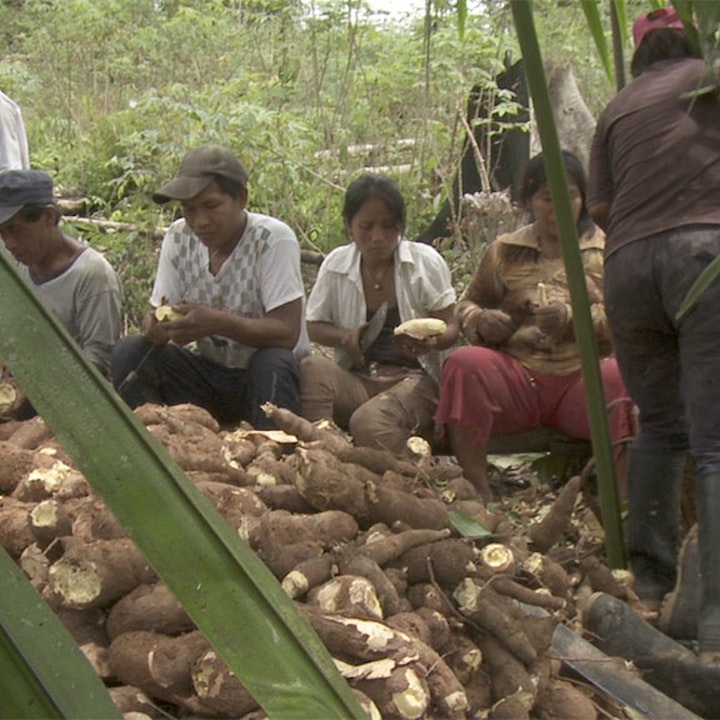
(97, 322)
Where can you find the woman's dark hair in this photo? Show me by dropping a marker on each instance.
(535, 177)
(371, 185)
(664, 43)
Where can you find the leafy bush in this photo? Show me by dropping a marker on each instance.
(114, 92)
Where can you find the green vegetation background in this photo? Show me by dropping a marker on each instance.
(114, 92)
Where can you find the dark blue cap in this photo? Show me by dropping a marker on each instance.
(19, 188)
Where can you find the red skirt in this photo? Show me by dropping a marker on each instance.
(494, 393)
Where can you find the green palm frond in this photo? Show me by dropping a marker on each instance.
(592, 15)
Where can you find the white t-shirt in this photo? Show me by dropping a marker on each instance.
(13, 142)
(422, 285)
(261, 274)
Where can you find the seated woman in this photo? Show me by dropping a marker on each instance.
(522, 368)
(389, 391)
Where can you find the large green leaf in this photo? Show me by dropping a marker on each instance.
(224, 587)
(467, 526)
(584, 332)
(684, 9)
(708, 18)
(43, 673)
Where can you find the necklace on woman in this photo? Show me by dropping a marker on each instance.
(378, 281)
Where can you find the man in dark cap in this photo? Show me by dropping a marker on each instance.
(73, 280)
(655, 187)
(233, 278)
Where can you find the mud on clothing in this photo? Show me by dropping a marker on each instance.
(656, 160)
(170, 375)
(494, 393)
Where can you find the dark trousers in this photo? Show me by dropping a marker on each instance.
(170, 375)
(670, 367)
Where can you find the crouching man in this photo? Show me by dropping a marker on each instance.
(233, 280)
(71, 279)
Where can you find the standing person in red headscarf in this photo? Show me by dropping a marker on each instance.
(655, 188)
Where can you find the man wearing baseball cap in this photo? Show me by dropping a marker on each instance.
(233, 279)
(73, 280)
(654, 186)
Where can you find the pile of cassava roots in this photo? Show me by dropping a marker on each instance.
(422, 621)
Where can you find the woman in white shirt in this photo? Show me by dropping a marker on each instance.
(388, 391)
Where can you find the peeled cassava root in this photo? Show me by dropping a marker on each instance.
(8, 397)
(165, 313)
(421, 622)
(421, 328)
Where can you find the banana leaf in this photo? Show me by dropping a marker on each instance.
(225, 588)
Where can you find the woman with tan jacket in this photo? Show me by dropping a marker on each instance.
(522, 368)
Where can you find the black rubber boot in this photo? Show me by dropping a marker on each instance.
(653, 524)
(708, 514)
